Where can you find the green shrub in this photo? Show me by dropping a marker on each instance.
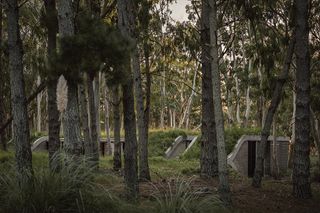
(72, 189)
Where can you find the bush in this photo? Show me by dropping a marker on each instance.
(70, 190)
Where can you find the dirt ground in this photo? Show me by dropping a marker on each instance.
(273, 196)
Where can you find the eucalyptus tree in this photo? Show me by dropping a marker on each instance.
(21, 133)
(53, 113)
(301, 160)
(71, 123)
(126, 20)
(224, 187)
(209, 157)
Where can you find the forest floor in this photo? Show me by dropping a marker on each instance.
(273, 196)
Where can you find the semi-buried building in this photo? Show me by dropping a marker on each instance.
(244, 155)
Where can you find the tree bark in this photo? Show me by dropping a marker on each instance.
(117, 127)
(125, 10)
(301, 160)
(84, 116)
(21, 132)
(107, 120)
(93, 147)
(276, 98)
(53, 113)
(71, 123)
(209, 155)
(224, 188)
(3, 141)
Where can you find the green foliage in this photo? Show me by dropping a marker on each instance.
(70, 190)
(160, 141)
(95, 46)
(179, 195)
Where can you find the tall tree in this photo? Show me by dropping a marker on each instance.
(125, 9)
(209, 157)
(301, 160)
(71, 123)
(21, 134)
(224, 187)
(276, 98)
(53, 113)
(2, 107)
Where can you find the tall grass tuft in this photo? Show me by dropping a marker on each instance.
(71, 189)
(178, 196)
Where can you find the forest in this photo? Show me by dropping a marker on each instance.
(168, 106)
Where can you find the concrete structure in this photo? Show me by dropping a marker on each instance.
(41, 144)
(243, 157)
(180, 146)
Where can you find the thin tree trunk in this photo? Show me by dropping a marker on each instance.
(117, 127)
(84, 116)
(224, 188)
(97, 80)
(315, 132)
(71, 123)
(275, 163)
(209, 155)
(39, 97)
(107, 120)
(21, 132)
(3, 141)
(293, 135)
(301, 160)
(93, 148)
(276, 97)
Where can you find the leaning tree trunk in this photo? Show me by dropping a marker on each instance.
(276, 97)
(71, 123)
(224, 188)
(21, 132)
(209, 156)
(125, 8)
(301, 151)
(116, 128)
(53, 113)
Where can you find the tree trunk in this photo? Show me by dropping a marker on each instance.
(301, 160)
(107, 119)
(142, 128)
(84, 116)
(224, 188)
(117, 127)
(71, 123)
(275, 164)
(93, 148)
(130, 150)
(21, 132)
(276, 97)
(293, 121)
(39, 97)
(3, 141)
(97, 80)
(209, 156)
(125, 13)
